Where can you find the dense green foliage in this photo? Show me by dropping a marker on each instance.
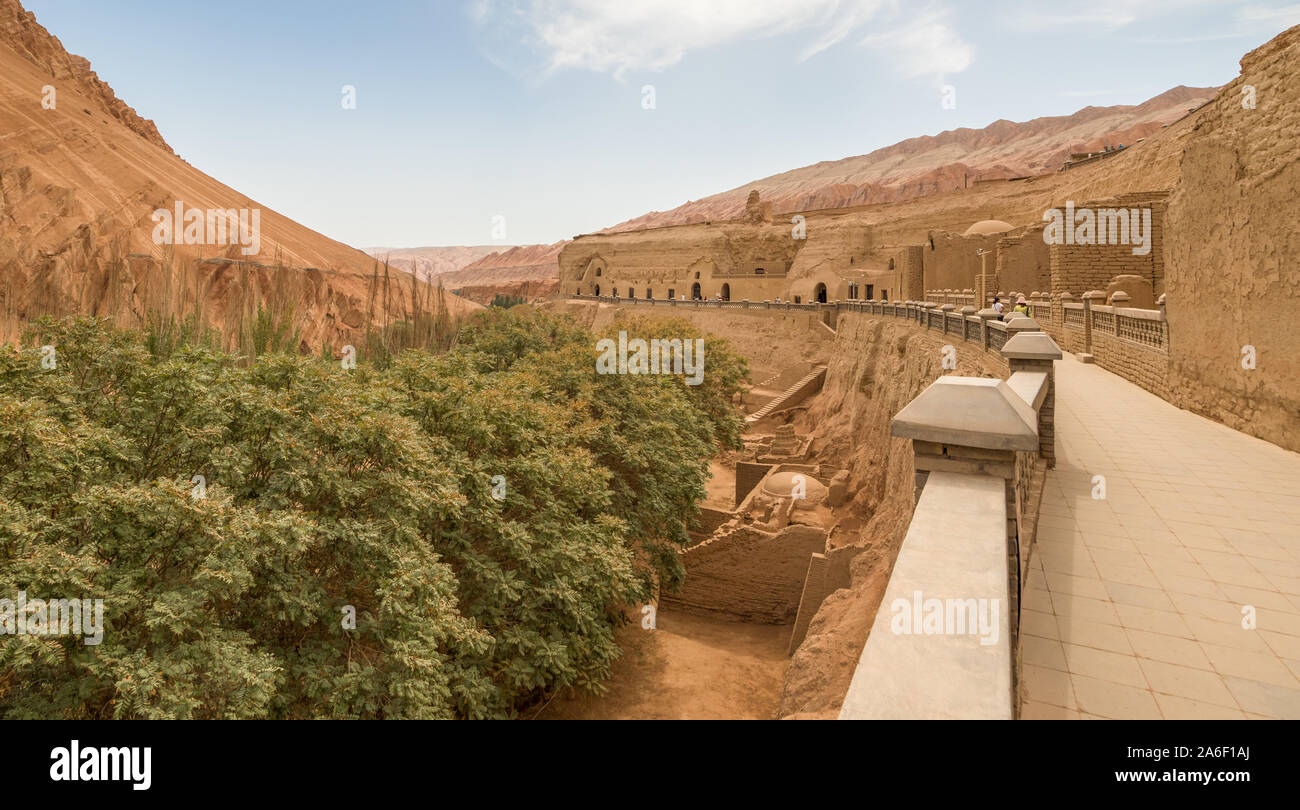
(505, 301)
(326, 487)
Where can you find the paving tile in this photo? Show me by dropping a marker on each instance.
(1168, 649)
(1195, 684)
(1076, 630)
(1263, 698)
(1035, 623)
(1032, 710)
(1050, 686)
(1154, 621)
(1114, 701)
(1180, 708)
(1042, 652)
(1264, 667)
(1104, 665)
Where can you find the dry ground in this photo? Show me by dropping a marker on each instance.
(689, 668)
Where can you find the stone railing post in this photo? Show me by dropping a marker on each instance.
(1088, 298)
(972, 425)
(1035, 351)
(986, 315)
(945, 309)
(1164, 322)
(966, 312)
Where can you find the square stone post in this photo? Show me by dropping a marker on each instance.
(946, 308)
(986, 315)
(973, 425)
(1088, 299)
(1035, 351)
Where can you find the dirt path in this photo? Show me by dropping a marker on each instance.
(690, 668)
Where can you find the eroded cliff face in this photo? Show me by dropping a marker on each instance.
(80, 181)
(877, 366)
(29, 39)
(1232, 247)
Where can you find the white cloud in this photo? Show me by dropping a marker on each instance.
(626, 35)
(1103, 14)
(925, 46)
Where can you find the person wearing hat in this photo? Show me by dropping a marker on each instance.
(1021, 306)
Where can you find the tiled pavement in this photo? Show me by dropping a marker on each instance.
(1134, 602)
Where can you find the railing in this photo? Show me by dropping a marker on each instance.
(1144, 327)
(985, 331)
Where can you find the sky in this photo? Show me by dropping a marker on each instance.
(491, 122)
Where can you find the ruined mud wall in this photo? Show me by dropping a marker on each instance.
(1233, 253)
(952, 261)
(748, 575)
(877, 366)
(1023, 263)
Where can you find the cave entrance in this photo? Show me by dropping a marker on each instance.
(726, 292)
(695, 291)
(821, 293)
(597, 289)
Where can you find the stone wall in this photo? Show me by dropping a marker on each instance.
(1234, 252)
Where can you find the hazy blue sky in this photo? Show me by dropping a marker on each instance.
(533, 110)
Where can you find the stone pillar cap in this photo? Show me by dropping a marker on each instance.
(948, 307)
(1161, 300)
(1023, 324)
(1093, 295)
(1119, 295)
(969, 412)
(1025, 345)
(986, 314)
(968, 310)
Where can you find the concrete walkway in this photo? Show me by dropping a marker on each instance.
(1136, 601)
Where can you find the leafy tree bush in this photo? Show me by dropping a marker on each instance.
(372, 489)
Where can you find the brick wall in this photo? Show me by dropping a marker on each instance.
(748, 575)
(1080, 268)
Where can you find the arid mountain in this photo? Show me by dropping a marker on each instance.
(81, 179)
(952, 160)
(430, 262)
(530, 271)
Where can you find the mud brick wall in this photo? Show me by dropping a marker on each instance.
(748, 575)
(711, 519)
(1079, 268)
(748, 474)
(1141, 365)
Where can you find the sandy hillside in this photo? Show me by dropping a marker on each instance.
(79, 183)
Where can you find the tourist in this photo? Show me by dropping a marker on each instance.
(1021, 306)
(998, 306)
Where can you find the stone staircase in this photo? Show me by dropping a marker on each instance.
(809, 384)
